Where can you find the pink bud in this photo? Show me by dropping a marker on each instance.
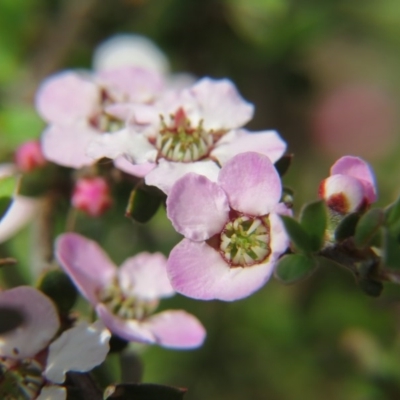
(29, 156)
(92, 195)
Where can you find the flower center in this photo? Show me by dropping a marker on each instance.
(245, 241)
(123, 305)
(181, 142)
(20, 379)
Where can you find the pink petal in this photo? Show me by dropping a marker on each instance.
(40, 324)
(222, 105)
(279, 238)
(197, 270)
(176, 329)
(139, 170)
(145, 276)
(85, 262)
(67, 96)
(239, 141)
(66, 144)
(251, 183)
(128, 329)
(357, 168)
(197, 207)
(166, 173)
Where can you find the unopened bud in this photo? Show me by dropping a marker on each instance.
(29, 156)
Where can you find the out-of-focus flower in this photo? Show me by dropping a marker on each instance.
(187, 131)
(350, 186)
(29, 156)
(92, 195)
(233, 235)
(125, 297)
(31, 363)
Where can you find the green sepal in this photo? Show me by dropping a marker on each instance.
(295, 267)
(297, 234)
(313, 219)
(143, 391)
(58, 286)
(142, 205)
(283, 164)
(368, 226)
(347, 227)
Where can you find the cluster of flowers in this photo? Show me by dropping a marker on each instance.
(224, 195)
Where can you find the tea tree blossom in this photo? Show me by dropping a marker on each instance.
(350, 186)
(233, 234)
(187, 131)
(126, 297)
(32, 363)
(29, 156)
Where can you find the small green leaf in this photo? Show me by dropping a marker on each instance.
(392, 213)
(142, 205)
(313, 219)
(143, 391)
(391, 249)
(283, 164)
(294, 267)
(8, 187)
(368, 225)
(347, 227)
(298, 235)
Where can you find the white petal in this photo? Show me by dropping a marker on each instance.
(78, 349)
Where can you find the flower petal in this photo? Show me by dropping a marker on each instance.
(67, 96)
(251, 183)
(222, 105)
(197, 207)
(139, 170)
(239, 141)
(40, 323)
(66, 144)
(145, 276)
(357, 168)
(52, 393)
(167, 173)
(128, 329)
(85, 262)
(199, 271)
(176, 329)
(78, 349)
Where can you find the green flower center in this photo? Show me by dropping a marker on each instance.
(123, 305)
(180, 142)
(20, 379)
(245, 241)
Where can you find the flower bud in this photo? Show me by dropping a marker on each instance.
(92, 195)
(29, 156)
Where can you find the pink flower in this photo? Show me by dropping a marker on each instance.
(32, 361)
(233, 235)
(350, 186)
(125, 297)
(92, 195)
(29, 156)
(187, 131)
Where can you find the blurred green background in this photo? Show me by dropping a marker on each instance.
(324, 73)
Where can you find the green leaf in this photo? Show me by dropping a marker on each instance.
(391, 249)
(297, 234)
(8, 187)
(368, 225)
(313, 219)
(392, 213)
(347, 227)
(143, 391)
(142, 205)
(294, 267)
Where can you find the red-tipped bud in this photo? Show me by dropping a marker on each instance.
(29, 156)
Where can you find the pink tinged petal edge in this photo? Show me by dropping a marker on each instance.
(79, 349)
(251, 183)
(239, 141)
(176, 329)
(197, 207)
(52, 393)
(197, 270)
(139, 170)
(221, 104)
(166, 173)
(279, 238)
(128, 329)
(67, 96)
(39, 327)
(357, 168)
(66, 144)
(85, 262)
(145, 276)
